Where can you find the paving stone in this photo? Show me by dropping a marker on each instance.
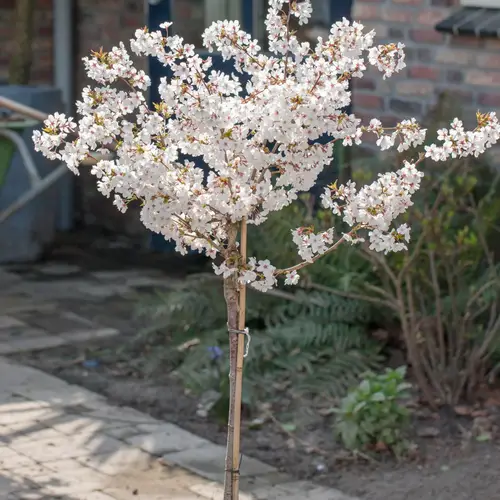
(67, 395)
(123, 432)
(121, 494)
(122, 275)
(208, 462)
(31, 344)
(92, 495)
(100, 291)
(70, 465)
(53, 290)
(8, 335)
(10, 485)
(68, 447)
(10, 459)
(12, 304)
(73, 481)
(9, 322)
(124, 459)
(122, 414)
(31, 471)
(13, 430)
(14, 376)
(214, 490)
(9, 415)
(30, 436)
(73, 424)
(58, 269)
(166, 439)
(86, 335)
(29, 495)
(56, 322)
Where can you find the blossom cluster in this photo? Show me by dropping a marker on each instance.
(458, 142)
(219, 148)
(374, 207)
(310, 244)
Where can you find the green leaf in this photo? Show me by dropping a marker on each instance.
(378, 396)
(289, 427)
(486, 436)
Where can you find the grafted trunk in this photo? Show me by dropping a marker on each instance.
(235, 296)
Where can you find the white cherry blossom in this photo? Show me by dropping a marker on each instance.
(219, 148)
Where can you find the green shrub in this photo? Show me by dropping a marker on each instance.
(445, 290)
(372, 414)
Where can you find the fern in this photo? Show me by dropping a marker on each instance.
(318, 341)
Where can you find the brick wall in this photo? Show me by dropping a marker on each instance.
(467, 66)
(41, 71)
(104, 23)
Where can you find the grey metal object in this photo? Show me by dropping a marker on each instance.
(38, 184)
(30, 195)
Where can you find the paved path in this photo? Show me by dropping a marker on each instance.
(61, 441)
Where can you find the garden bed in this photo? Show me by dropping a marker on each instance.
(294, 434)
(449, 464)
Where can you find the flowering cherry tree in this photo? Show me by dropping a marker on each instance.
(259, 142)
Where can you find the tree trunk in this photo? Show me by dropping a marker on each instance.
(235, 296)
(231, 296)
(21, 58)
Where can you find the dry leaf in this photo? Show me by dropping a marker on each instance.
(463, 410)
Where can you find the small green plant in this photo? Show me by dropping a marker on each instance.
(372, 416)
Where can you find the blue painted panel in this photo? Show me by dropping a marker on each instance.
(25, 234)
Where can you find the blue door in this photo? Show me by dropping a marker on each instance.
(191, 17)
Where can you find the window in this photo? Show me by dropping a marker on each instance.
(191, 17)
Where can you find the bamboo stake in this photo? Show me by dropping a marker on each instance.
(239, 370)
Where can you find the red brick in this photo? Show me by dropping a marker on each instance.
(483, 78)
(486, 99)
(406, 107)
(414, 88)
(389, 120)
(365, 11)
(381, 30)
(488, 61)
(364, 84)
(424, 72)
(398, 15)
(492, 44)
(430, 17)
(472, 42)
(369, 101)
(426, 36)
(455, 56)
